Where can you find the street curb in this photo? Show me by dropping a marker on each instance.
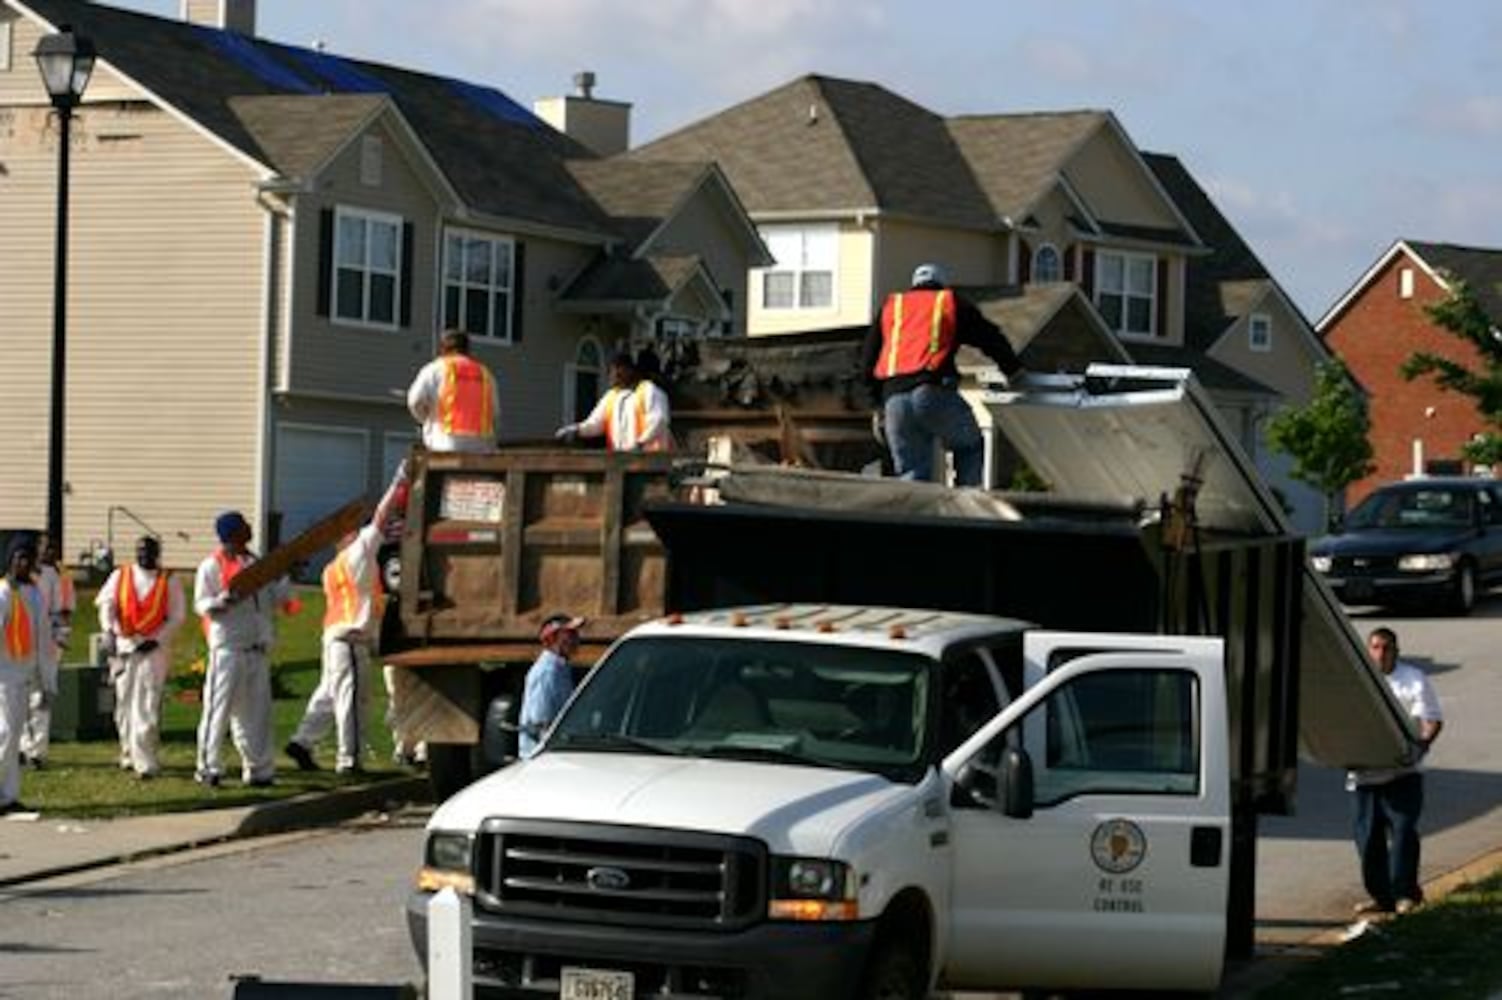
(306, 811)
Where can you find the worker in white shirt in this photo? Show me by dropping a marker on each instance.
(140, 609)
(57, 587)
(25, 645)
(454, 398)
(633, 415)
(352, 595)
(237, 683)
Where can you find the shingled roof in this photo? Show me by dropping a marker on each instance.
(637, 196)
(1479, 268)
(1017, 157)
(498, 157)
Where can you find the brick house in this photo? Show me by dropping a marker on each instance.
(1380, 322)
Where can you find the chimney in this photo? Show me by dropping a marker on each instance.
(231, 15)
(603, 127)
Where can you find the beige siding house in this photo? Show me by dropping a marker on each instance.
(266, 241)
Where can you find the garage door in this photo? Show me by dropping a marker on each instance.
(317, 471)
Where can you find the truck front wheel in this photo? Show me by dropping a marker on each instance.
(894, 973)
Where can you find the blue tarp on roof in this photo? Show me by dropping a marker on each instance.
(494, 103)
(343, 76)
(250, 57)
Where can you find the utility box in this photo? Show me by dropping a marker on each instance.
(84, 708)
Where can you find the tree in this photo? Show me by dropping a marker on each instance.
(1327, 437)
(1461, 315)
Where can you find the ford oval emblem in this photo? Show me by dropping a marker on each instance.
(607, 879)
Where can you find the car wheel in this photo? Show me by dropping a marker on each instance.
(1463, 597)
(894, 973)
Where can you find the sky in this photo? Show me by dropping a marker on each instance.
(1324, 129)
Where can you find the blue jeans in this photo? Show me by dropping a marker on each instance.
(917, 418)
(1387, 838)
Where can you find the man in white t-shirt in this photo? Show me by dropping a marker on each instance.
(1388, 801)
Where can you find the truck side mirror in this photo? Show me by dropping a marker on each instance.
(1016, 775)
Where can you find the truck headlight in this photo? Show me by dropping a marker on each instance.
(812, 889)
(447, 859)
(1426, 563)
(1321, 564)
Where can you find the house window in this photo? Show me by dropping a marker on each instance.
(1047, 265)
(1126, 292)
(367, 267)
(477, 284)
(1405, 283)
(371, 155)
(803, 277)
(1260, 332)
(582, 380)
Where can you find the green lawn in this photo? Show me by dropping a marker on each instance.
(83, 779)
(1447, 949)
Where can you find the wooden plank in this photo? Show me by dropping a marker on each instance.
(429, 657)
(610, 543)
(276, 563)
(509, 598)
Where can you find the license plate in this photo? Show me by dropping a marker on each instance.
(597, 984)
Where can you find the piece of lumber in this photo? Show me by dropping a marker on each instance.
(279, 560)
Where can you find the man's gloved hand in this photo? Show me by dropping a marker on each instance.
(568, 432)
(879, 427)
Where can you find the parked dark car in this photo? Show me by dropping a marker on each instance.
(1430, 540)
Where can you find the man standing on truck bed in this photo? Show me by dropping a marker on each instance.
(909, 351)
(454, 398)
(550, 680)
(352, 593)
(633, 415)
(1388, 802)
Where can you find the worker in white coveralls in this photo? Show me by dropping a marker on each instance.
(25, 646)
(237, 683)
(454, 398)
(57, 587)
(140, 609)
(352, 615)
(633, 415)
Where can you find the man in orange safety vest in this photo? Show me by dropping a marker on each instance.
(454, 398)
(633, 415)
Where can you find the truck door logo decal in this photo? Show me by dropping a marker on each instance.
(1117, 846)
(607, 879)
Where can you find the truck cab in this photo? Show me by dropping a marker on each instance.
(813, 800)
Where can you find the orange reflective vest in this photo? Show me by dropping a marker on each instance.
(228, 567)
(466, 399)
(613, 441)
(918, 332)
(141, 616)
(341, 591)
(20, 634)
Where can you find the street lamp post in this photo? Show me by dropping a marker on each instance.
(66, 61)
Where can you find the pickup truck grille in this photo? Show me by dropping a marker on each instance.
(620, 875)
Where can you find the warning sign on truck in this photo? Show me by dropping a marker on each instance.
(472, 499)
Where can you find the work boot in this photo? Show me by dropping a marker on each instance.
(207, 778)
(301, 755)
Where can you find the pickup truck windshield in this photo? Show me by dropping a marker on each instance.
(789, 702)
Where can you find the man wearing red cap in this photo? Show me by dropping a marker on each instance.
(550, 680)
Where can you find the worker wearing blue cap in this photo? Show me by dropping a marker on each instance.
(237, 681)
(25, 645)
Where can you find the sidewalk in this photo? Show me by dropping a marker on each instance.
(32, 850)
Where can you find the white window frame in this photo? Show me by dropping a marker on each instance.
(572, 369)
(1264, 343)
(1405, 283)
(1058, 259)
(7, 37)
(1127, 256)
(801, 268)
(489, 335)
(368, 217)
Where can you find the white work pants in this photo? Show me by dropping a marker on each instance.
(237, 698)
(36, 733)
(13, 685)
(139, 679)
(340, 699)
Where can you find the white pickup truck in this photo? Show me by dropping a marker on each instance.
(833, 801)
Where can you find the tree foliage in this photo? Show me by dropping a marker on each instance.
(1328, 437)
(1462, 316)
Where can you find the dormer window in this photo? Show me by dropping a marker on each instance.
(1126, 292)
(1047, 264)
(1259, 332)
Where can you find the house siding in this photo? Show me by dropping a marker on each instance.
(1288, 367)
(22, 83)
(1374, 335)
(852, 305)
(703, 226)
(163, 401)
(971, 258)
(1115, 185)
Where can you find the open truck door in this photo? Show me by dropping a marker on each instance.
(1091, 820)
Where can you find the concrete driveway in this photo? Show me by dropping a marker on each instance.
(1307, 872)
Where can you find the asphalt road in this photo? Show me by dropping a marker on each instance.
(321, 907)
(1307, 871)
